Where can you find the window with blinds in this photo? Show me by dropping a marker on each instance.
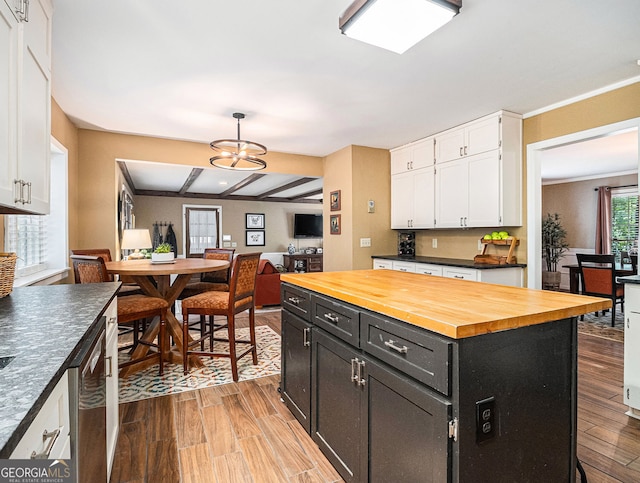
(624, 221)
(201, 228)
(27, 237)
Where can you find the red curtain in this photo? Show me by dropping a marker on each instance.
(603, 221)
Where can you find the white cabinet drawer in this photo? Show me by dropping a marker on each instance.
(404, 266)
(53, 416)
(428, 269)
(379, 264)
(460, 273)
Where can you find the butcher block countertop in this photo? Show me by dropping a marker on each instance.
(453, 308)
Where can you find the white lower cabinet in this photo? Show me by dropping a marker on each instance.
(429, 269)
(111, 368)
(512, 276)
(380, 264)
(48, 436)
(404, 266)
(631, 344)
(460, 273)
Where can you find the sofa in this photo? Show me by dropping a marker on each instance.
(267, 284)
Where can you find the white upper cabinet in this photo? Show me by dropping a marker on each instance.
(413, 156)
(8, 102)
(25, 105)
(473, 138)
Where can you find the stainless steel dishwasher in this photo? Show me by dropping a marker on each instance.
(87, 405)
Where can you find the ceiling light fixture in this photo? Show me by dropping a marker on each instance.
(238, 154)
(396, 25)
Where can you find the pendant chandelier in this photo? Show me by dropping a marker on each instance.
(238, 154)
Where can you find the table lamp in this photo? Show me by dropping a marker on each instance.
(135, 239)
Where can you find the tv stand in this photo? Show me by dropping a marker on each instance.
(303, 262)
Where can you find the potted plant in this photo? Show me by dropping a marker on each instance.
(554, 244)
(162, 253)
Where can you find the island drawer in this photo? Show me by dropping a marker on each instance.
(336, 318)
(296, 301)
(415, 352)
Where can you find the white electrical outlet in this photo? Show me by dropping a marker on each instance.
(434, 243)
(234, 244)
(365, 242)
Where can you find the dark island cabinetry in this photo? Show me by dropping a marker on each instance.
(386, 400)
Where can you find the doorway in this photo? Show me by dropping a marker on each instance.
(535, 155)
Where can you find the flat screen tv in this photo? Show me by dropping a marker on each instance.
(307, 225)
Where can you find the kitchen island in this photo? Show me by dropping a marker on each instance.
(41, 329)
(406, 377)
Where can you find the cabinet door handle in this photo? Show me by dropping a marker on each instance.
(354, 364)
(17, 191)
(461, 277)
(391, 344)
(465, 150)
(110, 359)
(461, 222)
(408, 166)
(465, 221)
(628, 323)
(460, 150)
(294, 300)
(305, 337)
(28, 202)
(26, 11)
(52, 437)
(361, 380)
(332, 318)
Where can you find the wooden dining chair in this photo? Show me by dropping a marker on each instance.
(208, 281)
(598, 278)
(239, 298)
(131, 309)
(127, 288)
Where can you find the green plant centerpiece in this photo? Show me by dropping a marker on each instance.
(163, 253)
(554, 245)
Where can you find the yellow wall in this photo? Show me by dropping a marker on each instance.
(98, 152)
(338, 176)
(371, 181)
(361, 174)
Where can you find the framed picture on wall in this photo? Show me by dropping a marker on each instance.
(334, 200)
(255, 238)
(334, 224)
(255, 221)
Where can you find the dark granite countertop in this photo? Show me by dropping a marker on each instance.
(629, 279)
(41, 327)
(450, 262)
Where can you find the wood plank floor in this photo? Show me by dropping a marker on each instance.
(243, 433)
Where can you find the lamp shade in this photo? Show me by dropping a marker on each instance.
(135, 239)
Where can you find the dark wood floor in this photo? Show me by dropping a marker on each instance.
(242, 432)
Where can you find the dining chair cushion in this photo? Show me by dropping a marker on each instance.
(139, 303)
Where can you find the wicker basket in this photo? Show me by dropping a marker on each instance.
(7, 271)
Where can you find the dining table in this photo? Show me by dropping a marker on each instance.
(622, 270)
(155, 280)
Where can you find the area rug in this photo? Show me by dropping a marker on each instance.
(600, 326)
(147, 383)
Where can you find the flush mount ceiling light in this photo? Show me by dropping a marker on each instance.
(396, 25)
(238, 154)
